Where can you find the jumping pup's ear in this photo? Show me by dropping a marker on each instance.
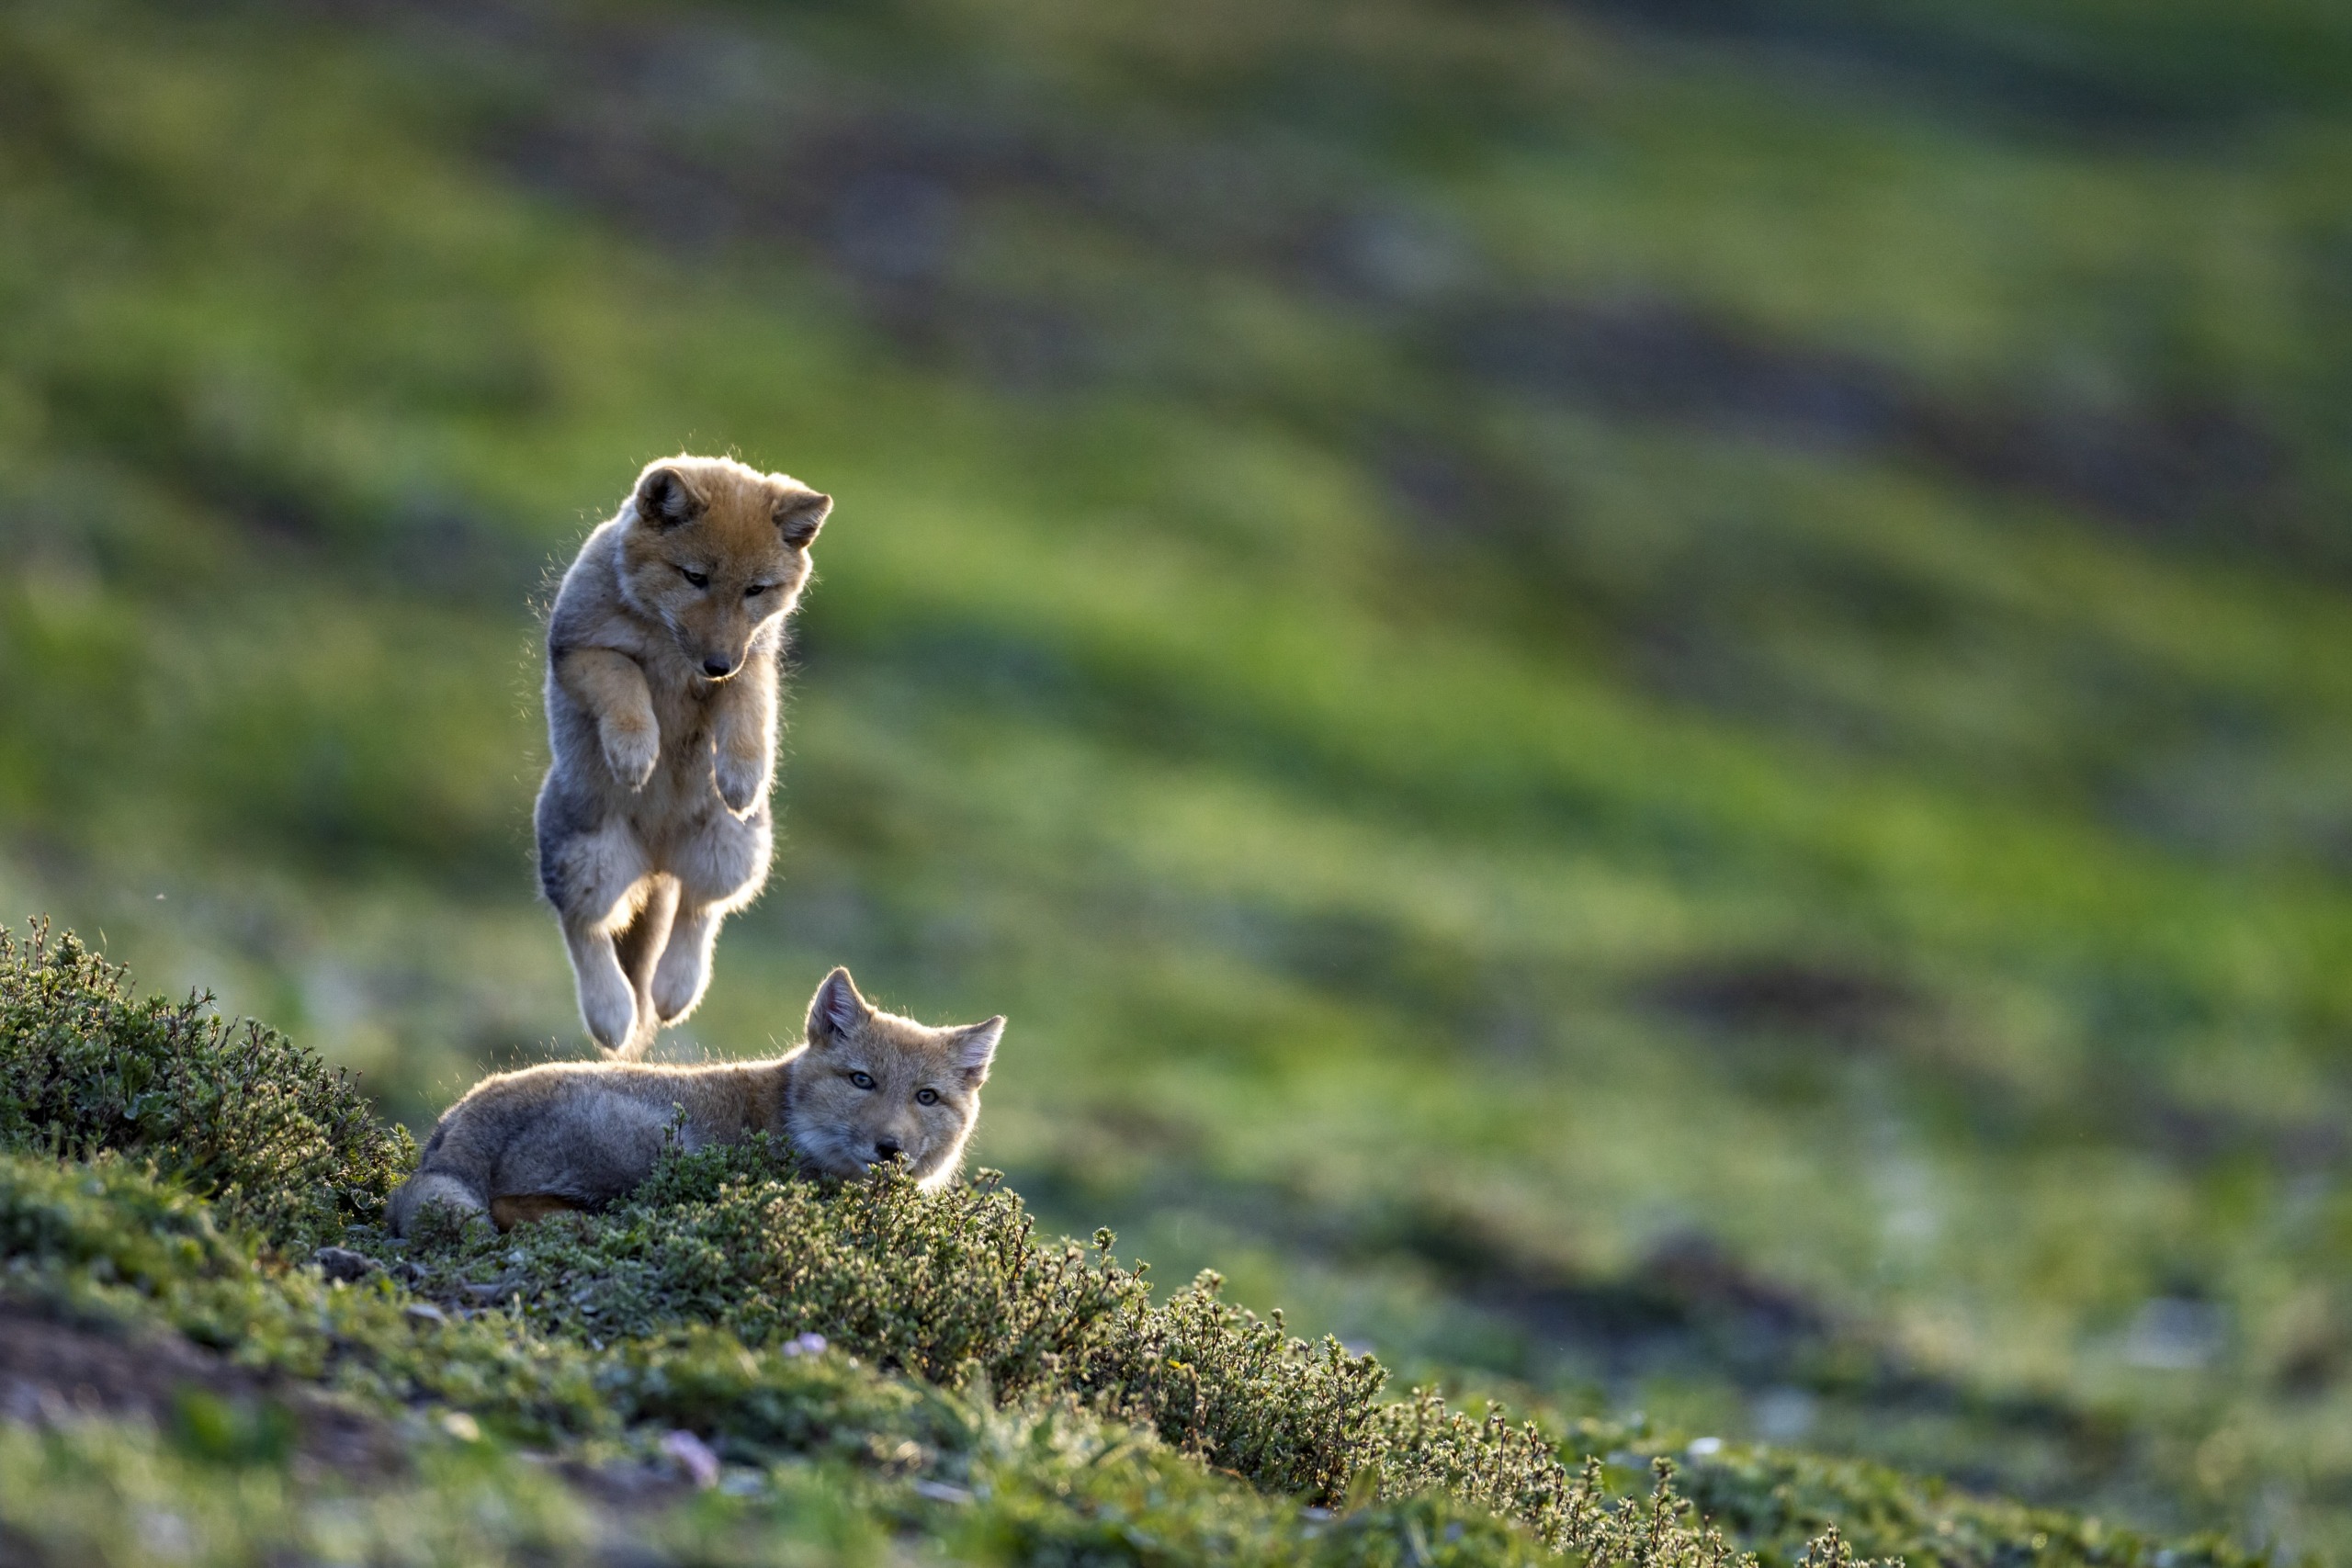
(800, 515)
(836, 1009)
(664, 499)
(975, 1048)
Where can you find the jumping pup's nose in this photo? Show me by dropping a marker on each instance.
(718, 668)
(886, 1148)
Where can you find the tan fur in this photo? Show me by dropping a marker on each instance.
(662, 686)
(571, 1135)
(508, 1213)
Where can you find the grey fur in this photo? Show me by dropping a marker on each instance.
(584, 1132)
(663, 689)
(580, 1135)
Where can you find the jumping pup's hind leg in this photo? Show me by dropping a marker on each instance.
(684, 971)
(597, 880)
(639, 945)
(720, 871)
(607, 1000)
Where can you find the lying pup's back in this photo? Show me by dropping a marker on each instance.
(867, 1086)
(579, 1135)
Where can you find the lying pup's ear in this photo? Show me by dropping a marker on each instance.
(799, 515)
(836, 1010)
(975, 1048)
(666, 500)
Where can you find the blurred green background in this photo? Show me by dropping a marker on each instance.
(1648, 700)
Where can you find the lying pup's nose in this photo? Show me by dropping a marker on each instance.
(718, 668)
(886, 1148)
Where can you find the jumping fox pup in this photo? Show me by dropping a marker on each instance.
(662, 692)
(867, 1086)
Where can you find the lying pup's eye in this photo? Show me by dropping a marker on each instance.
(863, 1080)
(926, 1097)
(698, 579)
(757, 588)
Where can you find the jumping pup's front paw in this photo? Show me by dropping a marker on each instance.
(631, 753)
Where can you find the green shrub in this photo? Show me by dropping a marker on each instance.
(1419, 1445)
(238, 1112)
(1053, 1476)
(952, 1286)
(1040, 1478)
(954, 1289)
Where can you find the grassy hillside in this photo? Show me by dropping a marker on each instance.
(1645, 703)
(734, 1364)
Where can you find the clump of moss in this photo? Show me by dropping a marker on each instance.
(241, 1115)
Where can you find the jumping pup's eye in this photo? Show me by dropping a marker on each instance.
(698, 579)
(926, 1097)
(863, 1080)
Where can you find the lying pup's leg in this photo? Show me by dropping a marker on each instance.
(523, 1208)
(434, 1187)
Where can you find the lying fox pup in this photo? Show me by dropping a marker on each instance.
(868, 1087)
(661, 689)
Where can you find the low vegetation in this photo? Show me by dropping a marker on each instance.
(734, 1364)
(237, 1113)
